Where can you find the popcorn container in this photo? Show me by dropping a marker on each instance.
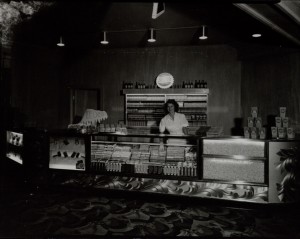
(282, 111)
(281, 132)
(274, 132)
(278, 122)
(254, 112)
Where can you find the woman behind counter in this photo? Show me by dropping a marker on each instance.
(175, 123)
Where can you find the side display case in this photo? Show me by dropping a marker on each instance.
(68, 151)
(284, 171)
(15, 146)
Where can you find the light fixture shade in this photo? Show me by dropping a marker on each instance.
(104, 40)
(60, 43)
(203, 33)
(152, 35)
(255, 35)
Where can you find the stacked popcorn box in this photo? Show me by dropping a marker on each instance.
(282, 129)
(254, 129)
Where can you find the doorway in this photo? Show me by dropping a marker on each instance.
(82, 99)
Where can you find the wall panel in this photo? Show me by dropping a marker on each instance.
(37, 98)
(42, 77)
(270, 82)
(218, 65)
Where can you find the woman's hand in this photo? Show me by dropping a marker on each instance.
(161, 146)
(185, 130)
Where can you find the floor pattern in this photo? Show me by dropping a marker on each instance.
(56, 214)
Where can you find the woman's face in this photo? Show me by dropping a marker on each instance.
(171, 108)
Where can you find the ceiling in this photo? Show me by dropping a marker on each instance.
(228, 22)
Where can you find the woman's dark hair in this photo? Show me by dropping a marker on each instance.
(173, 102)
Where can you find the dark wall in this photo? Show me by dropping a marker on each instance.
(107, 69)
(41, 78)
(272, 81)
(39, 93)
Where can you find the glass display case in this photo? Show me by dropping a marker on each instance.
(15, 162)
(15, 145)
(235, 159)
(68, 151)
(128, 155)
(230, 168)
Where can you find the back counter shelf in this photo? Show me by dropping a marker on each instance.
(230, 168)
(145, 107)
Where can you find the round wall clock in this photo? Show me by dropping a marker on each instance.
(164, 80)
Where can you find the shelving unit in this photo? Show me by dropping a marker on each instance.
(145, 107)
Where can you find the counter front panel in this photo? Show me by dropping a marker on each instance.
(234, 169)
(234, 146)
(224, 168)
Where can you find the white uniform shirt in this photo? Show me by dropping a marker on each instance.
(173, 126)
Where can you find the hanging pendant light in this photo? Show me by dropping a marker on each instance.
(104, 40)
(204, 33)
(152, 35)
(60, 43)
(256, 35)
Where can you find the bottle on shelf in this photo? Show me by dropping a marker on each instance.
(205, 84)
(202, 84)
(183, 84)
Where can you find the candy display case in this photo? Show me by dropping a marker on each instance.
(126, 155)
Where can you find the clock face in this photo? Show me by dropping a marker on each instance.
(164, 80)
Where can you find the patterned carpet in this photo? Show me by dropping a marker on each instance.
(79, 215)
